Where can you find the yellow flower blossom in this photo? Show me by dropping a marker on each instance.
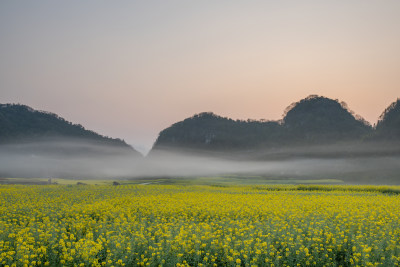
(154, 225)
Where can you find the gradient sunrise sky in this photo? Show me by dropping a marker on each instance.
(129, 69)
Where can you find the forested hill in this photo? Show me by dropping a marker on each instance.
(388, 126)
(41, 144)
(22, 123)
(315, 120)
(207, 130)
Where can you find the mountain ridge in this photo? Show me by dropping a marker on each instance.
(23, 124)
(312, 121)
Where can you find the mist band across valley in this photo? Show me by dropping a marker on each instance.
(318, 138)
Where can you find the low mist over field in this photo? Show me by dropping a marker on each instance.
(366, 168)
(71, 159)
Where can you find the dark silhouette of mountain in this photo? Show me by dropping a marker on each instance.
(41, 144)
(207, 131)
(388, 126)
(320, 120)
(20, 123)
(314, 120)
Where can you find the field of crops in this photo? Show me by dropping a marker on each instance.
(170, 225)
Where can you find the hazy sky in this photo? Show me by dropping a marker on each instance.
(129, 69)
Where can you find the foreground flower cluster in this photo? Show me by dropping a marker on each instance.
(152, 225)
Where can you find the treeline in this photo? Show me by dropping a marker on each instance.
(22, 123)
(315, 120)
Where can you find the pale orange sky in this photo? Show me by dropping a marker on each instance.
(129, 69)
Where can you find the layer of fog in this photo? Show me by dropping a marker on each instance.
(71, 159)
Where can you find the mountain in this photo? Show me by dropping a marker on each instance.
(388, 126)
(320, 120)
(25, 129)
(20, 122)
(207, 131)
(41, 144)
(315, 120)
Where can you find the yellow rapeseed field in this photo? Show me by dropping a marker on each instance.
(161, 225)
